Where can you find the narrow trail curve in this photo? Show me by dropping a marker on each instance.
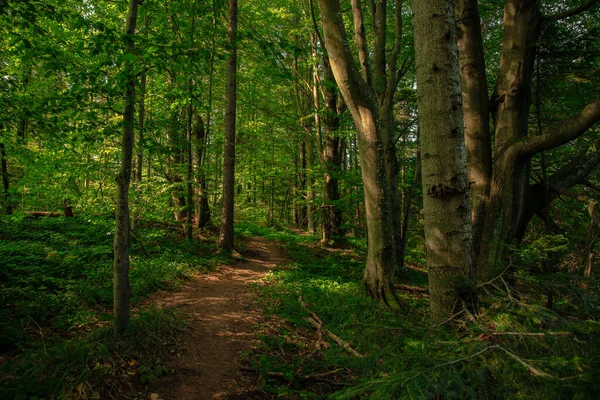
(221, 317)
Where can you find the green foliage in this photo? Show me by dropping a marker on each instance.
(504, 353)
(56, 296)
(94, 364)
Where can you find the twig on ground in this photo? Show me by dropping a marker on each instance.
(317, 323)
(451, 318)
(534, 371)
(532, 333)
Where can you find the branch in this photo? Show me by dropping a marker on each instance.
(563, 133)
(534, 371)
(317, 323)
(393, 76)
(572, 12)
(361, 42)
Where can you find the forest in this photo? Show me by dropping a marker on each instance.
(345, 199)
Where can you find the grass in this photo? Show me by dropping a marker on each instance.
(515, 348)
(56, 299)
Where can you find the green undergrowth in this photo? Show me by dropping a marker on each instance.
(514, 348)
(56, 301)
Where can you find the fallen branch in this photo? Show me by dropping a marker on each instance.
(408, 288)
(534, 371)
(532, 333)
(311, 377)
(317, 323)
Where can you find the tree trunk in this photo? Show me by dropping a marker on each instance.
(5, 178)
(407, 209)
(332, 213)
(510, 111)
(142, 109)
(121, 286)
(361, 102)
(203, 214)
(302, 182)
(476, 111)
(226, 240)
(190, 167)
(446, 208)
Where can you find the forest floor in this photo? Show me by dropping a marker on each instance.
(222, 315)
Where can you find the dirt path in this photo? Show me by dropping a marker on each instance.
(221, 316)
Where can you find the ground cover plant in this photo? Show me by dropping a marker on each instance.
(56, 297)
(514, 348)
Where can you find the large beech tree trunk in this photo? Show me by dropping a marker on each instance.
(226, 240)
(361, 102)
(121, 286)
(446, 208)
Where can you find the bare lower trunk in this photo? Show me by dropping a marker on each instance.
(5, 178)
(190, 171)
(332, 213)
(446, 208)
(406, 212)
(226, 240)
(121, 286)
(142, 111)
(476, 111)
(203, 213)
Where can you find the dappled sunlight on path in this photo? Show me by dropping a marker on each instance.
(221, 317)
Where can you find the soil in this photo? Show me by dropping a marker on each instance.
(222, 318)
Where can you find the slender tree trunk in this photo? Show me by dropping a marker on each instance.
(310, 183)
(332, 213)
(203, 206)
(407, 210)
(176, 142)
(121, 286)
(302, 182)
(226, 240)
(190, 167)
(361, 102)
(385, 84)
(446, 208)
(476, 111)
(142, 110)
(5, 178)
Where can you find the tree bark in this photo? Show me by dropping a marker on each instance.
(5, 178)
(142, 110)
(332, 213)
(121, 285)
(446, 208)
(476, 111)
(362, 104)
(226, 237)
(203, 206)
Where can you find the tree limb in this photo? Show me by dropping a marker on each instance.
(571, 12)
(361, 42)
(563, 133)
